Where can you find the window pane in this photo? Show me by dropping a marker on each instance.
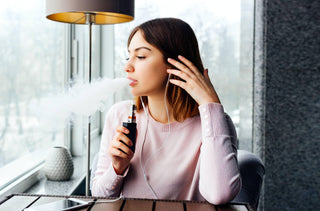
(31, 66)
(223, 28)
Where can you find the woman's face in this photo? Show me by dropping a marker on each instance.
(145, 68)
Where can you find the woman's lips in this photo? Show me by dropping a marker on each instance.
(133, 81)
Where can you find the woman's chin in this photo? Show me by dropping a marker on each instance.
(138, 92)
(135, 94)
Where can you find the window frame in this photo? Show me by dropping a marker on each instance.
(104, 39)
(25, 179)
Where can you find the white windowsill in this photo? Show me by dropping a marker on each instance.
(35, 181)
(18, 168)
(22, 183)
(45, 186)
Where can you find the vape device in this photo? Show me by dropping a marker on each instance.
(131, 125)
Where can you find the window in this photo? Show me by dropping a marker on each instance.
(40, 59)
(224, 31)
(32, 66)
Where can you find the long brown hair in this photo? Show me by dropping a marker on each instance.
(173, 37)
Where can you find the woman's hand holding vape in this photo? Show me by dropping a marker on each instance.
(119, 150)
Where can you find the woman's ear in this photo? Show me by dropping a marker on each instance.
(205, 72)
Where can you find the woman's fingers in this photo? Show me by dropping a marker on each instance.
(120, 135)
(198, 85)
(179, 73)
(180, 83)
(186, 65)
(121, 152)
(183, 68)
(186, 70)
(190, 65)
(120, 144)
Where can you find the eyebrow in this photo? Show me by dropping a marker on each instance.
(142, 47)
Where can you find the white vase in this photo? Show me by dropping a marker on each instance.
(59, 164)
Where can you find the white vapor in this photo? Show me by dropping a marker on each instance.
(81, 99)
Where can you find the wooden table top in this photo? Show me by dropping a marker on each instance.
(22, 201)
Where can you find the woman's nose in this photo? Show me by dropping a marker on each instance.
(128, 67)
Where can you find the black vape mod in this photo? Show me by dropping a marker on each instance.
(131, 125)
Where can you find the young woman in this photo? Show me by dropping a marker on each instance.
(185, 144)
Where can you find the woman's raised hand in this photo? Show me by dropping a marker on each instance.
(196, 84)
(119, 150)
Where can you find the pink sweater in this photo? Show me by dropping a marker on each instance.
(196, 161)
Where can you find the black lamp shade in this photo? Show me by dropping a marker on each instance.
(105, 11)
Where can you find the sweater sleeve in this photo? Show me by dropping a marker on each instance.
(106, 182)
(219, 173)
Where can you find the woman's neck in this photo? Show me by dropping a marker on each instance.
(158, 110)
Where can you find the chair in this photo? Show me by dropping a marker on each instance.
(252, 171)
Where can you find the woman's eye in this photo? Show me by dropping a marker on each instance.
(141, 57)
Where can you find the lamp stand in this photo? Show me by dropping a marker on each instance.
(97, 12)
(90, 18)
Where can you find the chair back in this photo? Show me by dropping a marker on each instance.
(252, 171)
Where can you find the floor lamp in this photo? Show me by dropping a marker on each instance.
(90, 12)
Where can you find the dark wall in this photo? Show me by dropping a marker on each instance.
(287, 98)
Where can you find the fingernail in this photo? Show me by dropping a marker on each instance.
(126, 130)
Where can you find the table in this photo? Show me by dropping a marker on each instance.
(19, 202)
